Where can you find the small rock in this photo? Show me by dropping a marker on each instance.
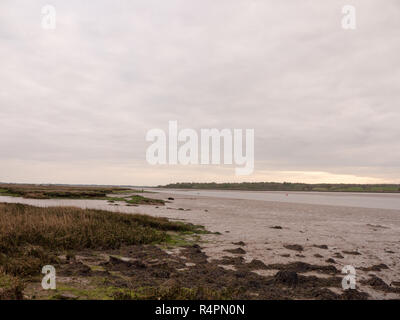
(377, 267)
(240, 243)
(256, 264)
(295, 247)
(116, 260)
(321, 246)
(196, 248)
(190, 264)
(67, 296)
(127, 261)
(236, 251)
(289, 278)
(355, 253)
(378, 283)
(153, 261)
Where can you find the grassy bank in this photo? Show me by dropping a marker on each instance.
(73, 192)
(59, 192)
(287, 186)
(135, 200)
(31, 237)
(31, 191)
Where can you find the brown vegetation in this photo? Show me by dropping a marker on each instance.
(107, 255)
(55, 191)
(31, 237)
(111, 194)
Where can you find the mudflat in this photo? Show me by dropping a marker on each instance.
(279, 232)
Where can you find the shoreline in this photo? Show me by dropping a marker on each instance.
(373, 233)
(276, 191)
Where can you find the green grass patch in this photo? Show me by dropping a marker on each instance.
(70, 192)
(11, 288)
(144, 293)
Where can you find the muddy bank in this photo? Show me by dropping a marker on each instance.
(151, 272)
(276, 232)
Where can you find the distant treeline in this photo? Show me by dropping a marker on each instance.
(287, 186)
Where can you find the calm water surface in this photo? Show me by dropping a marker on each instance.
(360, 200)
(344, 199)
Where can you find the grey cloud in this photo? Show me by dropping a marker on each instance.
(319, 98)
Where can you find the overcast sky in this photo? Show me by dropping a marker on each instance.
(76, 102)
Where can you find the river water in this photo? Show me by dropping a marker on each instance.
(345, 199)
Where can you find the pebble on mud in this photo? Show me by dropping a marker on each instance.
(377, 267)
(240, 243)
(289, 278)
(295, 247)
(321, 246)
(355, 253)
(66, 296)
(236, 251)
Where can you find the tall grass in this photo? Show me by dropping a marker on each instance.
(30, 191)
(55, 191)
(30, 236)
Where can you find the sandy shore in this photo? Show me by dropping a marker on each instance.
(373, 233)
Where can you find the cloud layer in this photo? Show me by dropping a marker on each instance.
(76, 102)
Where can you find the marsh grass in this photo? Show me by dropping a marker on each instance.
(111, 194)
(31, 237)
(59, 192)
(146, 293)
(11, 288)
(174, 293)
(136, 200)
